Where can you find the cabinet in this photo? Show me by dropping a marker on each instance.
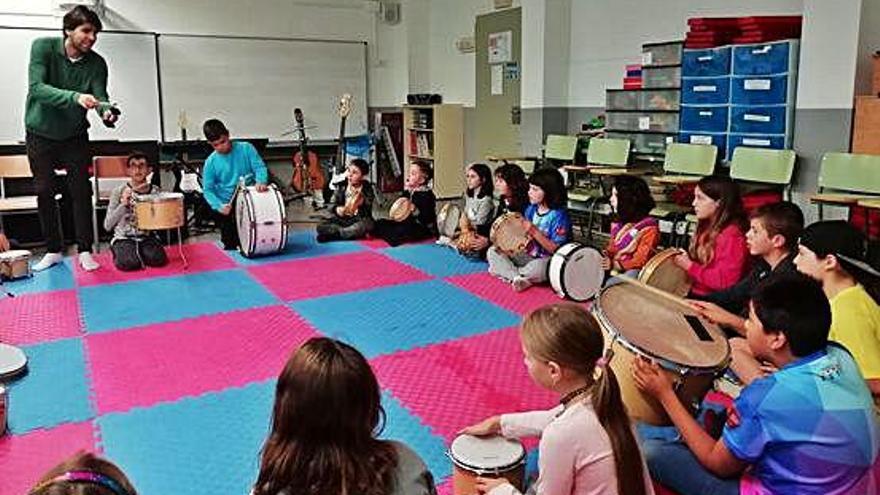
(434, 134)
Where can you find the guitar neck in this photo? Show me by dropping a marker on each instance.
(340, 148)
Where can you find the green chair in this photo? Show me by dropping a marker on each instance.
(560, 149)
(858, 176)
(606, 152)
(683, 164)
(763, 166)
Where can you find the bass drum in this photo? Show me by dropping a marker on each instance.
(262, 221)
(575, 272)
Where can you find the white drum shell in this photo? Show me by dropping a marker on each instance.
(262, 221)
(575, 272)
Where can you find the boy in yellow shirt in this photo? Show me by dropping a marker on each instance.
(833, 253)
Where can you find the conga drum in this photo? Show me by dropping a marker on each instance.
(575, 272)
(639, 323)
(15, 264)
(401, 209)
(487, 457)
(662, 272)
(262, 221)
(160, 211)
(508, 234)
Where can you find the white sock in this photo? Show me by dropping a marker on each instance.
(49, 259)
(87, 262)
(521, 283)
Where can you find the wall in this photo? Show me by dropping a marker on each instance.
(324, 19)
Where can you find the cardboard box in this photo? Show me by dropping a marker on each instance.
(866, 126)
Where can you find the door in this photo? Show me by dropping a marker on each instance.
(498, 36)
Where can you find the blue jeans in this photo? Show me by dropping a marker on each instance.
(673, 465)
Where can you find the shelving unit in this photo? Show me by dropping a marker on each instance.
(434, 134)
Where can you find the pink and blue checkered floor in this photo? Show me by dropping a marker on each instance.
(170, 373)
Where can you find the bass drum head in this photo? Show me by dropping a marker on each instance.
(244, 217)
(575, 272)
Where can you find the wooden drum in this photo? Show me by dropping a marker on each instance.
(508, 234)
(640, 323)
(401, 209)
(662, 272)
(159, 211)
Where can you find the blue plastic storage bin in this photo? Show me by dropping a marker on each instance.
(759, 120)
(704, 118)
(712, 62)
(776, 142)
(718, 139)
(760, 90)
(764, 58)
(705, 91)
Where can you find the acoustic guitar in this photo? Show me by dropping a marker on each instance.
(343, 110)
(308, 176)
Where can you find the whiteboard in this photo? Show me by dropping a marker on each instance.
(132, 83)
(253, 85)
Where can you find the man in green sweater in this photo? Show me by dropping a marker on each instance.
(65, 80)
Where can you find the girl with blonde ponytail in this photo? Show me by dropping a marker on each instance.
(587, 442)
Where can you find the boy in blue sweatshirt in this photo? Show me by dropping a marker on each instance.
(229, 162)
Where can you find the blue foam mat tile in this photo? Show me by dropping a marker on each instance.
(195, 446)
(405, 427)
(59, 277)
(164, 299)
(404, 316)
(55, 389)
(300, 244)
(439, 261)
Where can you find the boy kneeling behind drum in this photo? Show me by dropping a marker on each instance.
(132, 249)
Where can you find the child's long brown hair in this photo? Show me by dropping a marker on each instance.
(569, 336)
(730, 211)
(327, 413)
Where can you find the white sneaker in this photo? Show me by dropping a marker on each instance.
(49, 260)
(87, 262)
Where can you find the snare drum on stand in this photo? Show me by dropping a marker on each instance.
(161, 211)
(575, 271)
(639, 323)
(487, 457)
(262, 221)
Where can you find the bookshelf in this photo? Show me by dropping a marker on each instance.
(434, 134)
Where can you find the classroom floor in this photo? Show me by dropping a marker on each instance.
(171, 373)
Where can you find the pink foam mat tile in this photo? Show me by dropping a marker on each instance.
(200, 256)
(40, 317)
(24, 458)
(164, 362)
(377, 243)
(328, 275)
(495, 290)
(457, 383)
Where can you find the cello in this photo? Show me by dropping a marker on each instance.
(308, 176)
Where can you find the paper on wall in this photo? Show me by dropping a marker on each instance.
(497, 72)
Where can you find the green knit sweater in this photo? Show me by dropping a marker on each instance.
(55, 83)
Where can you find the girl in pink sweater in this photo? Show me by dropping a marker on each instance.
(718, 256)
(587, 442)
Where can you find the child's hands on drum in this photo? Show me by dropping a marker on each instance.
(489, 426)
(261, 187)
(486, 485)
(683, 261)
(650, 378)
(225, 209)
(714, 313)
(479, 243)
(606, 263)
(125, 199)
(4, 242)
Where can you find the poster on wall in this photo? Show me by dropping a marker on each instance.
(499, 47)
(497, 72)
